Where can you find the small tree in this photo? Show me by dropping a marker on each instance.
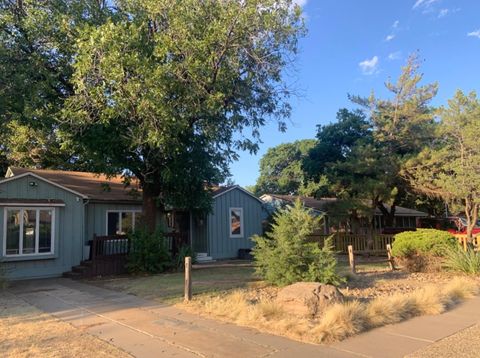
(285, 255)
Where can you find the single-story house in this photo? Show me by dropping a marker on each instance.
(48, 217)
(405, 218)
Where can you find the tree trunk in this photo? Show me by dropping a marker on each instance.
(150, 207)
(389, 216)
(471, 213)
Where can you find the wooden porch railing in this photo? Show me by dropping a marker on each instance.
(109, 254)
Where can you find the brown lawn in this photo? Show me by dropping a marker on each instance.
(27, 332)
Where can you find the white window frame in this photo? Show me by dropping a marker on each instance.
(134, 212)
(37, 231)
(235, 236)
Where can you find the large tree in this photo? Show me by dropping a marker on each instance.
(281, 168)
(402, 126)
(170, 90)
(37, 41)
(449, 168)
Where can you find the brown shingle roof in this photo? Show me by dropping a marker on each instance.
(96, 187)
(321, 205)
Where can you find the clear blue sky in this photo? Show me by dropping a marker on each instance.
(353, 46)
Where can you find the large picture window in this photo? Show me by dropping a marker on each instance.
(28, 231)
(120, 222)
(236, 222)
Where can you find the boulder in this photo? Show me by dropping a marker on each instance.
(308, 298)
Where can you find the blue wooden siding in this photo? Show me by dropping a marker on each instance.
(96, 219)
(220, 244)
(69, 230)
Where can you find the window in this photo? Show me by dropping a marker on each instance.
(28, 231)
(236, 222)
(120, 222)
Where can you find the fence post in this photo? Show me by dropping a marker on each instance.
(188, 278)
(465, 239)
(390, 257)
(351, 258)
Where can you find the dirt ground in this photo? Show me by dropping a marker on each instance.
(27, 332)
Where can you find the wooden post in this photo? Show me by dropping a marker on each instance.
(465, 239)
(188, 278)
(351, 258)
(390, 257)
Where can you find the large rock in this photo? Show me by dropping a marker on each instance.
(308, 298)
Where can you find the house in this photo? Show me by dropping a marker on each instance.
(48, 218)
(404, 218)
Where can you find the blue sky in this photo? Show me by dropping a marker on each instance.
(353, 46)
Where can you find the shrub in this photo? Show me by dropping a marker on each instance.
(184, 251)
(3, 276)
(284, 255)
(148, 252)
(423, 242)
(463, 261)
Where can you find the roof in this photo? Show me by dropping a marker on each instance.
(218, 191)
(321, 204)
(98, 187)
(312, 203)
(91, 186)
(32, 202)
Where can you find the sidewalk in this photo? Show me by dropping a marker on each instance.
(147, 329)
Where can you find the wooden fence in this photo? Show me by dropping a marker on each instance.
(359, 243)
(463, 241)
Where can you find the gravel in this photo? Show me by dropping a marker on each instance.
(464, 343)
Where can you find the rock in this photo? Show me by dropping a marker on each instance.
(308, 298)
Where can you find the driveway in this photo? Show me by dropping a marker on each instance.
(147, 329)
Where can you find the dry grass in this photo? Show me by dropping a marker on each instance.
(340, 320)
(27, 332)
(168, 287)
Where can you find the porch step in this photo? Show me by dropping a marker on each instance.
(79, 271)
(203, 257)
(72, 275)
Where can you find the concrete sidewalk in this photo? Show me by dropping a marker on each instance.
(147, 329)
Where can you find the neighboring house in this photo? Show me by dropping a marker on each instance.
(49, 217)
(404, 218)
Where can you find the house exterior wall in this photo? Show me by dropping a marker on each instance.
(96, 217)
(220, 244)
(68, 230)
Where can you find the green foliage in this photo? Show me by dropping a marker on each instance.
(165, 87)
(448, 168)
(3, 278)
(463, 261)
(37, 40)
(335, 141)
(362, 156)
(428, 242)
(285, 256)
(184, 251)
(149, 252)
(281, 168)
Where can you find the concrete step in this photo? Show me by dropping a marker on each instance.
(72, 275)
(204, 259)
(201, 254)
(81, 269)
